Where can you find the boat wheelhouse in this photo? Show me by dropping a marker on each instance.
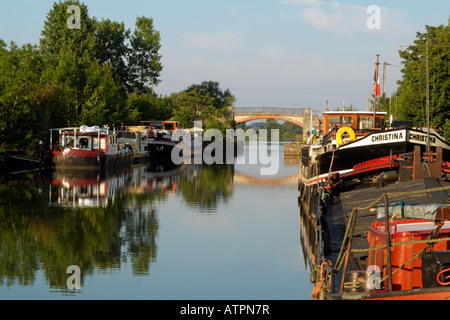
(87, 148)
(161, 140)
(137, 138)
(339, 127)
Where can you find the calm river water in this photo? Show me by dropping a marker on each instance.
(194, 232)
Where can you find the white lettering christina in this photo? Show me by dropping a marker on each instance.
(421, 138)
(387, 137)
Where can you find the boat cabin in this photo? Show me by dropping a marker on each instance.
(161, 129)
(359, 121)
(162, 125)
(339, 127)
(86, 138)
(136, 137)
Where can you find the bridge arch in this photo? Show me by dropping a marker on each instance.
(251, 118)
(299, 116)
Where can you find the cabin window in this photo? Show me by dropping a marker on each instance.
(347, 121)
(334, 121)
(67, 141)
(365, 123)
(103, 143)
(84, 143)
(379, 122)
(341, 121)
(95, 143)
(169, 126)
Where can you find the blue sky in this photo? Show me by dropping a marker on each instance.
(272, 53)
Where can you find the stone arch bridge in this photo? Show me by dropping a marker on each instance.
(299, 116)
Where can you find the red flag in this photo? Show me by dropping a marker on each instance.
(376, 85)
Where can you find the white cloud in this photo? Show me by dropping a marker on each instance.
(332, 17)
(211, 42)
(301, 2)
(349, 19)
(347, 23)
(345, 18)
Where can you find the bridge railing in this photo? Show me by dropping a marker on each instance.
(270, 110)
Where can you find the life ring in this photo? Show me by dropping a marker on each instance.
(343, 130)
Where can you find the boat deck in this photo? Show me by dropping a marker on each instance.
(340, 207)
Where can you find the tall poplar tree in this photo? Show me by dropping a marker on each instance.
(145, 59)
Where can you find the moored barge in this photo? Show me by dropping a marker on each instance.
(87, 148)
(347, 145)
(136, 138)
(161, 140)
(357, 253)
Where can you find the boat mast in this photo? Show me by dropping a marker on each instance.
(428, 99)
(376, 92)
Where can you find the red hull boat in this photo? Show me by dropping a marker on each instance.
(87, 148)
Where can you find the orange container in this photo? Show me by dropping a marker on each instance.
(410, 275)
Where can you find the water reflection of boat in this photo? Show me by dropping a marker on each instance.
(90, 188)
(308, 240)
(84, 189)
(165, 179)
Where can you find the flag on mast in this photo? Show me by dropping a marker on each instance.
(376, 84)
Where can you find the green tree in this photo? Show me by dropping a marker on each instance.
(190, 106)
(113, 50)
(78, 76)
(144, 106)
(103, 103)
(221, 98)
(412, 90)
(287, 130)
(69, 76)
(57, 38)
(81, 64)
(21, 96)
(199, 103)
(145, 59)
